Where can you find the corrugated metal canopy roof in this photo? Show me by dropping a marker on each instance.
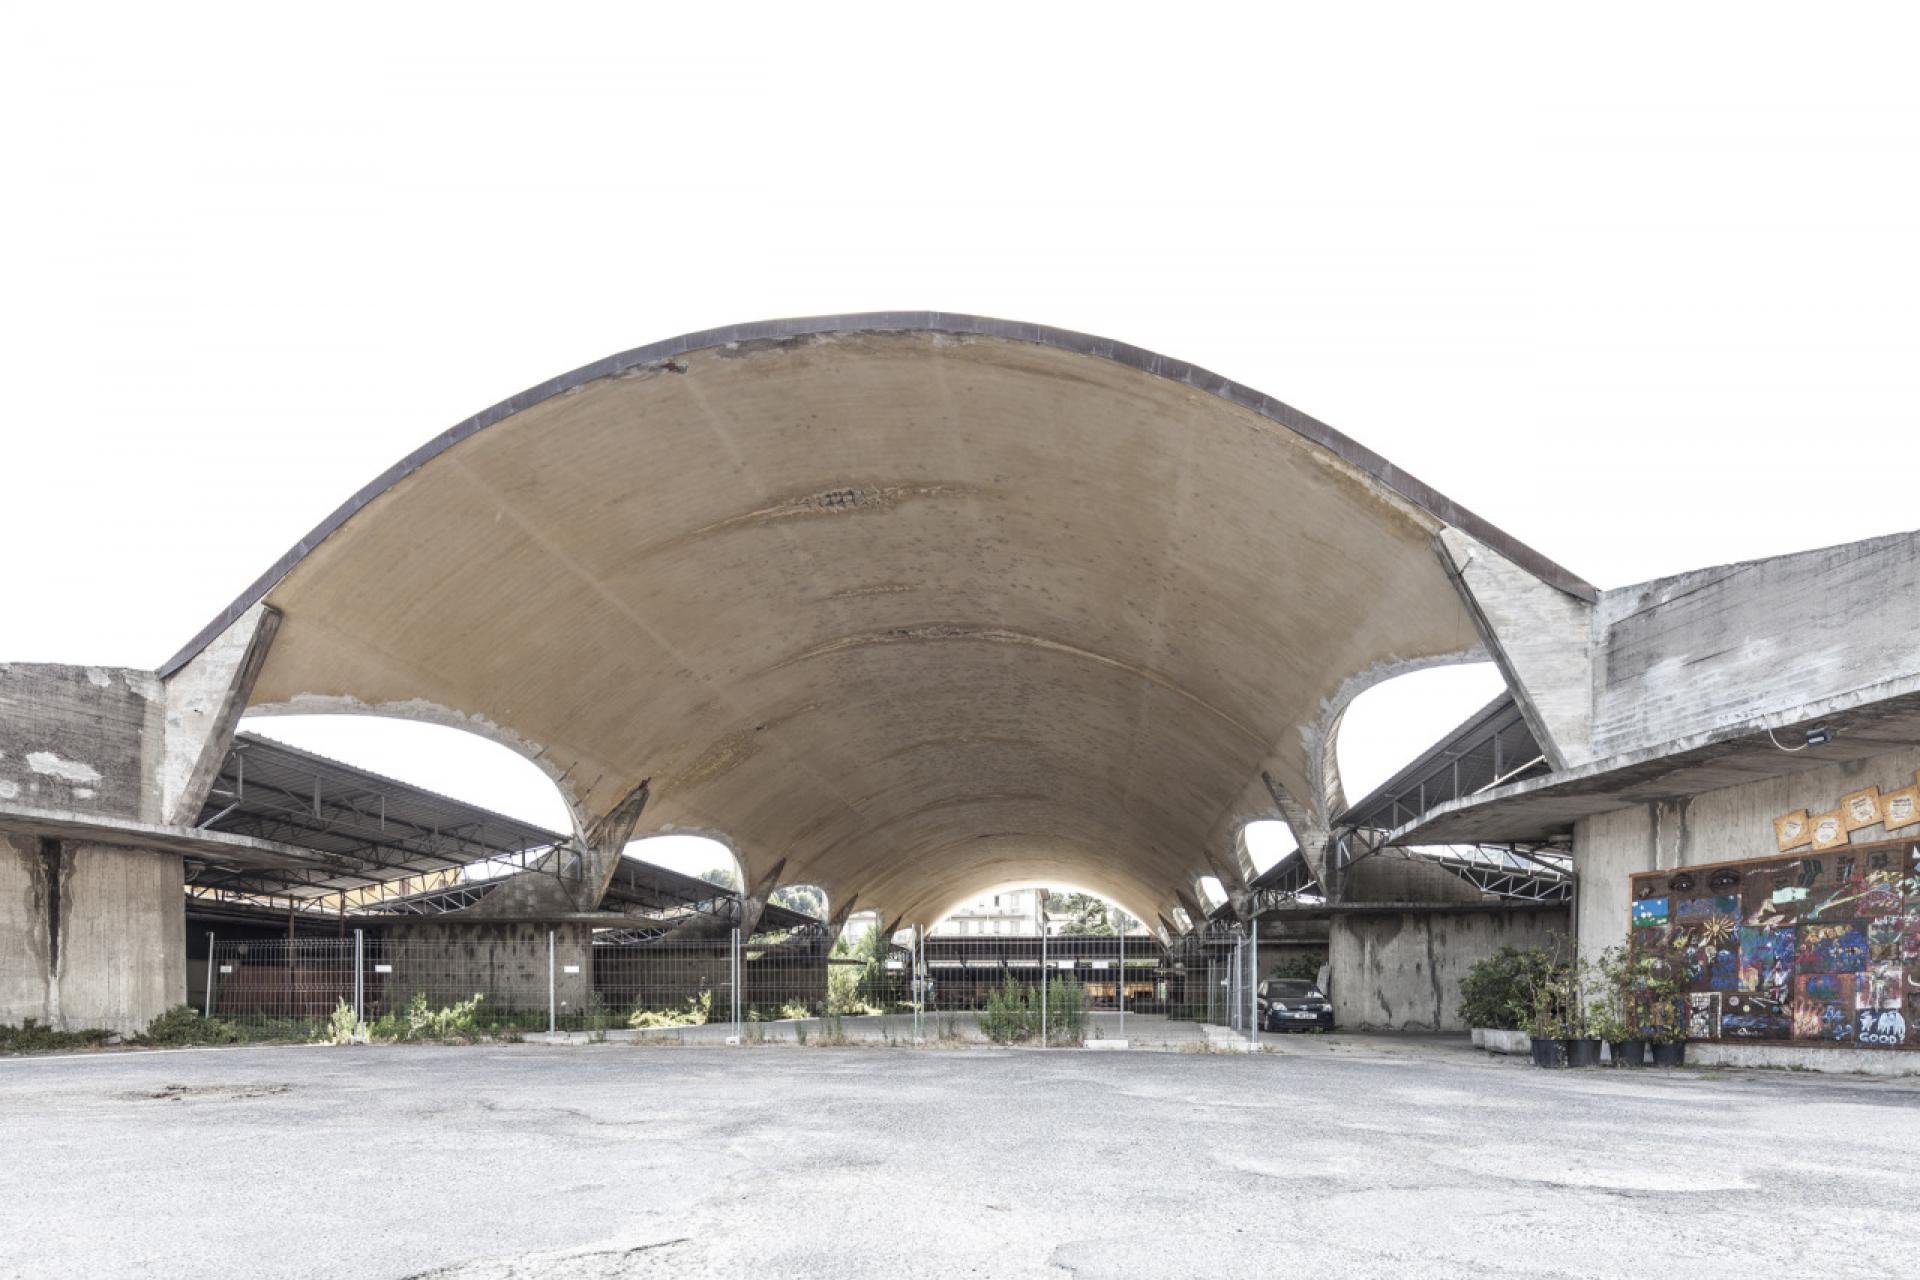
(390, 829)
(380, 830)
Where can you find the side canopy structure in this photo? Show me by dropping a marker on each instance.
(903, 605)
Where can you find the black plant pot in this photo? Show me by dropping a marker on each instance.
(1583, 1052)
(1670, 1055)
(1629, 1053)
(1549, 1053)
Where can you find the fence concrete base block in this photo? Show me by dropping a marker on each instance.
(1227, 1040)
(1105, 1044)
(1479, 1037)
(1504, 1041)
(1872, 1062)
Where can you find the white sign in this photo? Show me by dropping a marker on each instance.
(226, 968)
(569, 968)
(383, 968)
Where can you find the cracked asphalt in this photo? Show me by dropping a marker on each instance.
(1343, 1155)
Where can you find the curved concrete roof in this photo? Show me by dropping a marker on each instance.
(918, 603)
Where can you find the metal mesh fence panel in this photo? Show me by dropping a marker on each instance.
(277, 982)
(494, 981)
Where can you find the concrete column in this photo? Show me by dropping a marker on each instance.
(571, 879)
(91, 936)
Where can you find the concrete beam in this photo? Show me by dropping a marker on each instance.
(203, 701)
(1538, 636)
(1313, 834)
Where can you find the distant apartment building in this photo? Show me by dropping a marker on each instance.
(1009, 913)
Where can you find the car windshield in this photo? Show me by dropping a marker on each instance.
(1293, 991)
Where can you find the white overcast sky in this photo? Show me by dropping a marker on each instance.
(1639, 284)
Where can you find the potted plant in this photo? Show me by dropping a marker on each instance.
(1583, 1045)
(1663, 1017)
(1496, 997)
(1611, 1014)
(1545, 1022)
(1670, 1047)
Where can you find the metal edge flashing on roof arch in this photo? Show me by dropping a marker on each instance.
(907, 322)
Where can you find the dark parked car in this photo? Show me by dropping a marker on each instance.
(1293, 1004)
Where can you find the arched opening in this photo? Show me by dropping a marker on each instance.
(702, 857)
(993, 953)
(1388, 725)
(454, 762)
(425, 807)
(807, 899)
(1213, 894)
(1266, 841)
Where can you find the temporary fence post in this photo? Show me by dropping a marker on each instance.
(553, 1010)
(1043, 979)
(1122, 988)
(207, 1011)
(1233, 983)
(359, 977)
(733, 981)
(1253, 987)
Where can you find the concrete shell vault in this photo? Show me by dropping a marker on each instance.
(905, 605)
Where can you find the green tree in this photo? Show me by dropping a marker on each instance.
(804, 898)
(725, 877)
(1087, 916)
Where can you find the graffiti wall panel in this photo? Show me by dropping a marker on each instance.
(1821, 946)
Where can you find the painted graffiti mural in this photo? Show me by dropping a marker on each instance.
(1823, 946)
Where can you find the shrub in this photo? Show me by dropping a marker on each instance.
(181, 1026)
(343, 1026)
(31, 1037)
(1066, 1012)
(455, 1021)
(1305, 968)
(421, 1021)
(1012, 1013)
(844, 996)
(697, 1010)
(599, 1017)
(1500, 990)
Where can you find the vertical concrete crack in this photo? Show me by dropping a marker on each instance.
(51, 858)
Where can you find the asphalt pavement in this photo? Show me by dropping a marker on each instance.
(1338, 1155)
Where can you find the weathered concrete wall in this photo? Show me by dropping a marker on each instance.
(1387, 878)
(1715, 826)
(23, 932)
(1401, 971)
(1278, 956)
(506, 961)
(90, 935)
(76, 738)
(1690, 654)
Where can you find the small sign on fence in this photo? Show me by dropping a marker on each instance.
(569, 968)
(383, 968)
(226, 968)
